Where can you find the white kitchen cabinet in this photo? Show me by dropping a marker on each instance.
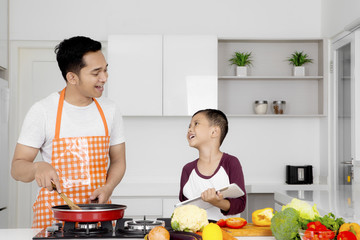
(155, 75)
(135, 74)
(190, 74)
(3, 34)
(270, 77)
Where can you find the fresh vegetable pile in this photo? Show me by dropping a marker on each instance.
(299, 220)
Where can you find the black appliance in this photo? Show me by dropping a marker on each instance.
(299, 174)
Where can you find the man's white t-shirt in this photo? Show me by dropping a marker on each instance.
(38, 128)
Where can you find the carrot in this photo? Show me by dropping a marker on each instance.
(227, 236)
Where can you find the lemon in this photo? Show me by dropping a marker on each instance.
(212, 231)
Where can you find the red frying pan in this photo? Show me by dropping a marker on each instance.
(89, 212)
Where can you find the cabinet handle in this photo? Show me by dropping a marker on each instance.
(347, 162)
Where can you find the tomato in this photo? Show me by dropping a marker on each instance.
(221, 223)
(235, 222)
(318, 231)
(327, 234)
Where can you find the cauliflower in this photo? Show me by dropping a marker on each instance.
(189, 218)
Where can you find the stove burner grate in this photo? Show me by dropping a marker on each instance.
(102, 230)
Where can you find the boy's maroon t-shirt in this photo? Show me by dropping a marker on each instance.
(193, 183)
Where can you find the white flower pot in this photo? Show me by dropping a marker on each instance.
(299, 71)
(241, 71)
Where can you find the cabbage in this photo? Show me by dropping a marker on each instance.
(305, 209)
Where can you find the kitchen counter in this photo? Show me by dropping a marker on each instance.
(27, 233)
(172, 189)
(343, 202)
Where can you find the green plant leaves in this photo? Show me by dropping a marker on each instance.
(299, 58)
(241, 59)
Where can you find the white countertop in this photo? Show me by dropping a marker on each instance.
(27, 233)
(343, 202)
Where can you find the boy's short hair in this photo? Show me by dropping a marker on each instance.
(216, 118)
(70, 52)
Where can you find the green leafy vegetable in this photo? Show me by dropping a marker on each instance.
(305, 209)
(175, 225)
(329, 221)
(285, 224)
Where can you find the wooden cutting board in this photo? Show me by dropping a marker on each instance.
(249, 230)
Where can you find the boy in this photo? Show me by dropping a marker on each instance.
(81, 139)
(213, 169)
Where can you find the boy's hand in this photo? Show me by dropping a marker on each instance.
(216, 199)
(211, 196)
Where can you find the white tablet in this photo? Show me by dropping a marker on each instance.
(231, 191)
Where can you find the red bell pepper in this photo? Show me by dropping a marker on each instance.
(235, 222)
(346, 235)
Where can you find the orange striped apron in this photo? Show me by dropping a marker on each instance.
(81, 163)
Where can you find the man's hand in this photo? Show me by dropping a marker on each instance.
(45, 173)
(102, 194)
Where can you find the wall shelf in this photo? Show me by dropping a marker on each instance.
(270, 78)
(276, 116)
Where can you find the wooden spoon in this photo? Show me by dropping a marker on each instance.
(71, 204)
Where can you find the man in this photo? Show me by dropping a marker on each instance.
(81, 140)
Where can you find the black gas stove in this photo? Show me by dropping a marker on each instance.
(124, 228)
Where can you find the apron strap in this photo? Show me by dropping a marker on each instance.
(59, 114)
(102, 117)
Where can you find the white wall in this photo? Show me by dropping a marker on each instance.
(55, 20)
(337, 14)
(263, 145)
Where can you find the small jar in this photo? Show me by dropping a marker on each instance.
(278, 107)
(260, 106)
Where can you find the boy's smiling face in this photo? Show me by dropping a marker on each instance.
(199, 131)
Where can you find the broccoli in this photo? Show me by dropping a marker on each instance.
(285, 224)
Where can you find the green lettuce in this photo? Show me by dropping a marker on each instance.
(305, 210)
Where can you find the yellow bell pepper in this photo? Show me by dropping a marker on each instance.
(262, 217)
(352, 227)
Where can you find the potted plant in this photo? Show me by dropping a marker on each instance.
(241, 60)
(298, 59)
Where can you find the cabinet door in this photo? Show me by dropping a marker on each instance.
(135, 74)
(190, 74)
(38, 75)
